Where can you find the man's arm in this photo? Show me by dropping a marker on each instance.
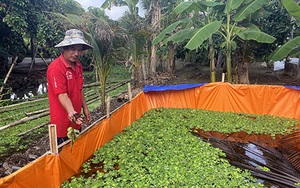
(67, 104)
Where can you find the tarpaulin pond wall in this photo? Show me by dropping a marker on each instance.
(51, 170)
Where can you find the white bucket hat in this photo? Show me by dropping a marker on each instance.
(72, 37)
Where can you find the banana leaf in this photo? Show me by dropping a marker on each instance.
(249, 9)
(190, 6)
(251, 34)
(285, 49)
(203, 34)
(168, 30)
(182, 35)
(232, 5)
(186, 6)
(292, 7)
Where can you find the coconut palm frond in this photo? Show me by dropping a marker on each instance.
(264, 162)
(290, 147)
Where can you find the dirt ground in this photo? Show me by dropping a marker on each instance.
(189, 73)
(258, 74)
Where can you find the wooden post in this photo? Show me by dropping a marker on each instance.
(223, 77)
(108, 107)
(53, 138)
(129, 92)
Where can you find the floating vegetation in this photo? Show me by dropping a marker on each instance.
(158, 150)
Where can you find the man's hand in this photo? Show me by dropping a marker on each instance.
(75, 117)
(87, 114)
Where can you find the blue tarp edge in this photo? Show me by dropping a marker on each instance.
(292, 87)
(148, 88)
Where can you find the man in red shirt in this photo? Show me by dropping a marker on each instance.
(65, 83)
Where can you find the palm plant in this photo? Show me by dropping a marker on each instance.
(136, 36)
(133, 28)
(101, 36)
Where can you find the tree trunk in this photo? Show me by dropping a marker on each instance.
(243, 75)
(220, 60)
(155, 30)
(171, 58)
(153, 61)
(212, 60)
(137, 74)
(228, 62)
(144, 70)
(33, 53)
(3, 65)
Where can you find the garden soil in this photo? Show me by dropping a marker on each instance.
(185, 73)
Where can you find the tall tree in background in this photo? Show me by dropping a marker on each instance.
(24, 17)
(154, 12)
(136, 34)
(19, 24)
(167, 18)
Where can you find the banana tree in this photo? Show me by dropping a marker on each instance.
(225, 20)
(186, 9)
(293, 45)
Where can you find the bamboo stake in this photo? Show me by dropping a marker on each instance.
(21, 103)
(98, 84)
(129, 92)
(36, 112)
(8, 74)
(43, 59)
(53, 138)
(108, 107)
(24, 120)
(90, 101)
(223, 77)
(30, 130)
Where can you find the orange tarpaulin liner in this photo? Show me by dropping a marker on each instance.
(51, 170)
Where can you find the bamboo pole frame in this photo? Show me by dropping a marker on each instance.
(108, 107)
(8, 74)
(223, 77)
(129, 92)
(53, 138)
